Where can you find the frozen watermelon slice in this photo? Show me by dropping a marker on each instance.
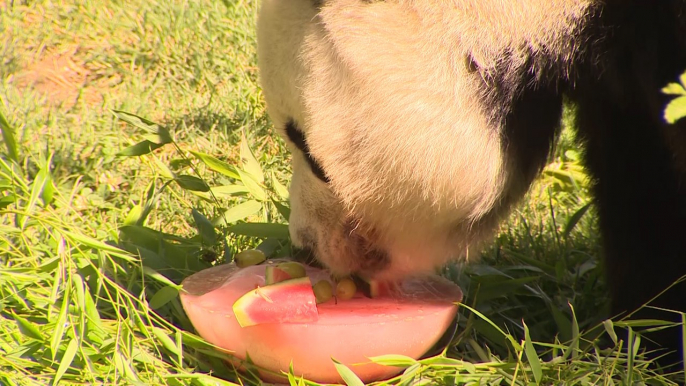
(373, 288)
(408, 320)
(289, 301)
(274, 274)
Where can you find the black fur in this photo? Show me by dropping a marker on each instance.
(298, 138)
(639, 187)
(632, 50)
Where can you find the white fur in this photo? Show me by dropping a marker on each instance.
(396, 118)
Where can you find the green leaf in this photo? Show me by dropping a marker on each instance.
(410, 374)
(93, 243)
(216, 164)
(48, 189)
(250, 164)
(141, 148)
(60, 324)
(350, 378)
(27, 328)
(123, 365)
(284, 210)
(159, 277)
(676, 109)
(564, 325)
(292, 381)
(166, 341)
(39, 183)
(226, 191)
(573, 348)
(134, 215)
(394, 360)
(643, 323)
(91, 311)
(262, 230)
(5, 201)
(158, 139)
(610, 329)
(163, 169)
(270, 246)
(163, 296)
(509, 337)
(674, 89)
(192, 183)
(9, 138)
(574, 219)
(67, 358)
(280, 190)
(255, 188)
(238, 212)
(205, 227)
(160, 132)
(532, 356)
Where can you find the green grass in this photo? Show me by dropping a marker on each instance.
(93, 244)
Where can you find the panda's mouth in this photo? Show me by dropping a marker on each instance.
(352, 251)
(306, 255)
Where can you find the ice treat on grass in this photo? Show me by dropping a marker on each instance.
(407, 320)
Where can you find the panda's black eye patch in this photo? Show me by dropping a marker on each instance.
(298, 138)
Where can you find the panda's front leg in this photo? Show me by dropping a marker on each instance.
(640, 187)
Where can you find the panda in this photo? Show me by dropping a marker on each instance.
(416, 125)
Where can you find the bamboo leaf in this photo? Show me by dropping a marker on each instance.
(238, 212)
(192, 183)
(348, 376)
(574, 219)
(676, 109)
(160, 133)
(163, 296)
(134, 215)
(674, 89)
(27, 328)
(255, 188)
(226, 191)
(394, 360)
(280, 190)
(283, 209)
(8, 137)
(249, 162)
(141, 148)
(532, 356)
(166, 341)
(216, 164)
(204, 227)
(610, 329)
(159, 277)
(262, 230)
(66, 361)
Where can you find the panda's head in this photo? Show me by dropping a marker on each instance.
(398, 164)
